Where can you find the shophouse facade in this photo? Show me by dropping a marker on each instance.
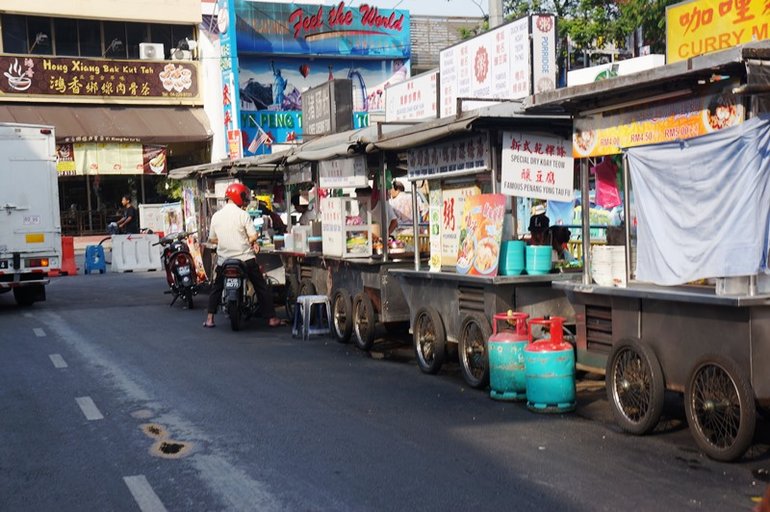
(120, 82)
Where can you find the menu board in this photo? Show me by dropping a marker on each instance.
(434, 215)
(480, 234)
(537, 165)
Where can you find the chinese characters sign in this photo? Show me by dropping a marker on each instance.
(537, 166)
(672, 121)
(467, 154)
(61, 77)
(413, 99)
(110, 158)
(705, 26)
(342, 172)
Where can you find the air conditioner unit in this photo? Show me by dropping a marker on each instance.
(181, 54)
(151, 51)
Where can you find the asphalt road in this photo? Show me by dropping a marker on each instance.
(111, 400)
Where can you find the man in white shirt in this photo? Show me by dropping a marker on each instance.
(364, 194)
(232, 231)
(401, 203)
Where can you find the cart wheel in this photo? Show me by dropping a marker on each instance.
(342, 315)
(429, 340)
(720, 408)
(306, 287)
(363, 322)
(292, 292)
(635, 386)
(474, 360)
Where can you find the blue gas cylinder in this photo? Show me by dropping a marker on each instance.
(550, 369)
(506, 357)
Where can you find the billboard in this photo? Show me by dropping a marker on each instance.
(413, 99)
(704, 26)
(307, 29)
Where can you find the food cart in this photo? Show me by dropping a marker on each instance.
(690, 313)
(450, 301)
(347, 266)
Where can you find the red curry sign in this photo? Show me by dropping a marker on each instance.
(72, 77)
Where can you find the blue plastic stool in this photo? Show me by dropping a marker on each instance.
(313, 315)
(95, 259)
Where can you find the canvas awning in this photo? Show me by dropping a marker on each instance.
(87, 123)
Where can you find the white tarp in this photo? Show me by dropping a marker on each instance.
(703, 205)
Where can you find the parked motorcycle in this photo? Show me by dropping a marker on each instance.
(180, 268)
(239, 297)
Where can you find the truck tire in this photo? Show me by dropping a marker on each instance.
(26, 296)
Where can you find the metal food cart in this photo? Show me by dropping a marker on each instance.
(360, 289)
(446, 308)
(690, 338)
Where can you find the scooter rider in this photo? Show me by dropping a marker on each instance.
(235, 237)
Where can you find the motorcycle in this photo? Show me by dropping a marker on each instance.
(239, 297)
(180, 268)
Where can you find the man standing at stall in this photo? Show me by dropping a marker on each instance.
(365, 193)
(232, 231)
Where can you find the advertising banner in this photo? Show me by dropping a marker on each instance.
(537, 166)
(481, 229)
(413, 99)
(684, 119)
(65, 160)
(434, 215)
(307, 29)
(108, 159)
(452, 205)
(228, 62)
(704, 26)
(57, 78)
(154, 159)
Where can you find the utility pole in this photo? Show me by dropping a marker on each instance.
(495, 13)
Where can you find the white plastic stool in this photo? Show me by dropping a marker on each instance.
(311, 307)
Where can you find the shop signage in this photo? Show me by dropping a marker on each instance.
(452, 206)
(537, 166)
(83, 158)
(500, 64)
(684, 119)
(413, 99)
(481, 229)
(463, 155)
(704, 26)
(343, 172)
(328, 108)
(55, 78)
(306, 29)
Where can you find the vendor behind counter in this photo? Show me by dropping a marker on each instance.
(376, 209)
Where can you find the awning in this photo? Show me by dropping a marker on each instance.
(87, 123)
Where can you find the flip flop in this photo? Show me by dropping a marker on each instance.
(208, 325)
(279, 323)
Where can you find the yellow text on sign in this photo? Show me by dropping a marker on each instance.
(705, 26)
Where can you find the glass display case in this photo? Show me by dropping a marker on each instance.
(346, 227)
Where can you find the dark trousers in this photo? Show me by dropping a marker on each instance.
(266, 306)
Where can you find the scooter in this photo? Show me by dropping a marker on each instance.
(239, 298)
(180, 268)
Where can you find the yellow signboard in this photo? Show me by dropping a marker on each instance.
(685, 119)
(705, 26)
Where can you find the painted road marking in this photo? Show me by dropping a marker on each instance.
(58, 361)
(145, 497)
(40, 333)
(89, 408)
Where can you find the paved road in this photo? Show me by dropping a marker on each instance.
(111, 400)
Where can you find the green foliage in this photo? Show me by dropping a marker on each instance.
(172, 189)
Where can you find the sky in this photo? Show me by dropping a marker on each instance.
(422, 7)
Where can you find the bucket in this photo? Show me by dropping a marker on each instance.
(618, 265)
(601, 265)
(538, 259)
(550, 370)
(506, 357)
(512, 259)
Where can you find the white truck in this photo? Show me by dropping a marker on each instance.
(30, 225)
